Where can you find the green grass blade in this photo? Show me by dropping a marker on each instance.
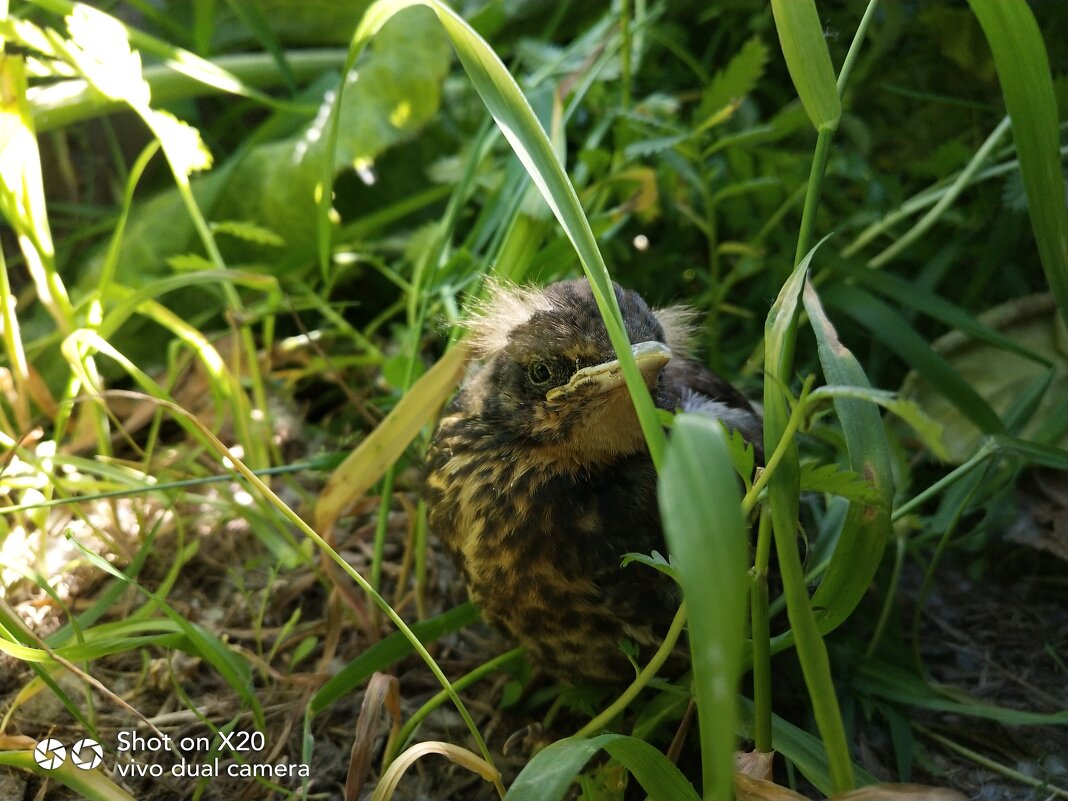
(387, 651)
(808, 60)
(91, 785)
(890, 328)
(783, 496)
(801, 748)
(902, 686)
(1024, 72)
(516, 120)
(867, 527)
(550, 773)
(231, 666)
(910, 295)
(706, 535)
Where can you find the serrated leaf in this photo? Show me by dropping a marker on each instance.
(189, 262)
(735, 80)
(655, 560)
(743, 456)
(833, 480)
(100, 49)
(248, 231)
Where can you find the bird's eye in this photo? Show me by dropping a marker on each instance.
(539, 373)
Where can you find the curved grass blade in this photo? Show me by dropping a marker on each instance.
(516, 120)
(1024, 73)
(550, 773)
(387, 651)
(91, 785)
(231, 666)
(701, 507)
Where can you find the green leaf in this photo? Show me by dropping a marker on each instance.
(784, 489)
(699, 494)
(743, 456)
(736, 80)
(387, 651)
(832, 479)
(1023, 70)
(654, 560)
(808, 60)
(248, 231)
(928, 429)
(550, 773)
(867, 526)
(890, 328)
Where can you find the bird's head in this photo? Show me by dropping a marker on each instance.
(549, 377)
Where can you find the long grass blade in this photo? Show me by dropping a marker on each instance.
(550, 773)
(1024, 72)
(867, 526)
(700, 503)
(808, 60)
(516, 120)
(784, 492)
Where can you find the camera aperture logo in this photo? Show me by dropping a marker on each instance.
(86, 754)
(196, 757)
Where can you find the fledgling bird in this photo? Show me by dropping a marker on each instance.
(539, 478)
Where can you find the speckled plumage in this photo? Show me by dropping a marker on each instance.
(539, 479)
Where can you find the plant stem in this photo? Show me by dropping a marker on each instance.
(461, 683)
(761, 634)
(812, 192)
(854, 46)
(989, 448)
(798, 414)
(643, 678)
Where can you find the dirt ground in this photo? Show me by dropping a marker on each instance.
(996, 630)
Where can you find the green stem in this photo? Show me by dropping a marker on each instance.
(461, 683)
(891, 593)
(988, 449)
(854, 46)
(812, 192)
(624, 55)
(959, 185)
(785, 442)
(643, 678)
(761, 634)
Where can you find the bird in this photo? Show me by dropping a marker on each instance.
(538, 478)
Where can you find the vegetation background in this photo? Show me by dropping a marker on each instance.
(194, 342)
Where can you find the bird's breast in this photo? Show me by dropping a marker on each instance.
(540, 542)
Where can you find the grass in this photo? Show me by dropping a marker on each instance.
(151, 374)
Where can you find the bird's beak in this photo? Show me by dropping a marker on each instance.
(600, 379)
